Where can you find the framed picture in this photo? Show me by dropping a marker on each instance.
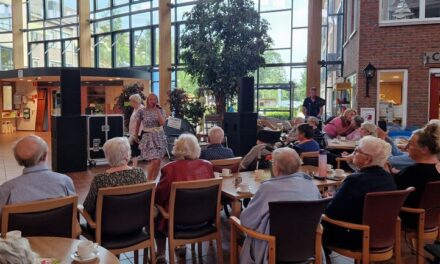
(368, 114)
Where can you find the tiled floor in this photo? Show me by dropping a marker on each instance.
(9, 169)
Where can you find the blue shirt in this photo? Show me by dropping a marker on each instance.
(216, 152)
(36, 183)
(309, 146)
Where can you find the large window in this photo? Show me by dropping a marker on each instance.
(351, 16)
(409, 11)
(6, 62)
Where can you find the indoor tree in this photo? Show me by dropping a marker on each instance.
(223, 41)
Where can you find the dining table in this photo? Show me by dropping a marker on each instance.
(335, 143)
(230, 191)
(60, 249)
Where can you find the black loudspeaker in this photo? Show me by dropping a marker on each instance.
(70, 82)
(241, 131)
(246, 96)
(69, 151)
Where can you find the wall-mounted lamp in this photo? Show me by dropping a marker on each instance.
(369, 72)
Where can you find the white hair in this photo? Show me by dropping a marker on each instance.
(370, 128)
(287, 160)
(216, 135)
(117, 151)
(30, 150)
(186, 147)
(378, 149)
(313, 119)
(16, 251)
(135, 98)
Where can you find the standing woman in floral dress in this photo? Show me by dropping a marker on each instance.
(152, 143)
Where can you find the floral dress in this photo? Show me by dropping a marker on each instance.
(153, 142)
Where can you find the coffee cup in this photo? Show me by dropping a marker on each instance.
(343, 138)
(244, 187)
(329, 167)
(217, 174)
(339, 173)
(226, 172)
(85, 249)
(259, 174)
(14, 234)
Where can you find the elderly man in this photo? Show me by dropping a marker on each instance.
(347, 205)
(38, 182)
(287, 184)
(215, 150)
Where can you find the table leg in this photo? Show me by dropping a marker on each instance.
(236, 208)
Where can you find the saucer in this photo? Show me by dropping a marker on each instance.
(240, 191)
(75, 257)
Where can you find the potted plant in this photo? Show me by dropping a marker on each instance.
(178, 101)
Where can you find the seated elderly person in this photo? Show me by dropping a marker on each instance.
(287, 184)
(305, 141)
(348, 202)
(265, 145)
(357, 124)
(186, 167)
(424, 149)
(17, 251)
(117, 151)
(37, 182)
(216, 150)
(291, 136)
(313, 121)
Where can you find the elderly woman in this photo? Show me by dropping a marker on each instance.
(117, 152)
(305, 141)
(356, 122)
(341, 125)
(186, 167)
(216, 150)
(314, 123)
(153, 141)
(135, 102)
(348, 202)
(16, 251)
(424, 148)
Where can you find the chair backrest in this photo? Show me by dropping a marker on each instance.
(53, 217)
(294, 225)
(430, 201)
(380, 212)
(194, 203)
(124, 210)
(233, 164)
(310, 158)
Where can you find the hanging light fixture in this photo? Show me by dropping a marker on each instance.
(402, 10)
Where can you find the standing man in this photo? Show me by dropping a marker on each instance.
(313, 105)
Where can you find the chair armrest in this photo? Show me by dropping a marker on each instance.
(235, 222)
(163, 212)
(86, 216)
(412, 210)
(345, 224)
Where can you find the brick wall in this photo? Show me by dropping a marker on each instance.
(396, 47)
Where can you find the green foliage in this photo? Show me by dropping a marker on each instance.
(178, 100)
(194, 112)
(223, 41)
(123, 102)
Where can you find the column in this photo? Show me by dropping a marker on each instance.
(85, 34)
(17, 34)
(164, 51)
(314, 45)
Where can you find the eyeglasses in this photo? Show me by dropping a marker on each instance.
(358, 150)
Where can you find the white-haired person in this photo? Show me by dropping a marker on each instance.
(186, 167)
(313, 121)
(215, 149)
(17, 251)
(135, 102)
(348, 202)
(117, 151)
(287, 184)
(37, 182)
(152, 142)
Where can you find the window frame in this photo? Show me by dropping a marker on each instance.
(412, 21)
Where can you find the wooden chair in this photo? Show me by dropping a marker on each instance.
(233, 164)
(124, 220)
(194, 215)
(310, 158)
(295, 232)
(379, 239)
(339, 160)
(427, 219)
(53, 217)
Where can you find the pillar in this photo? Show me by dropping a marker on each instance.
(314, 45)
(18, 34)
(164, 52)
(85, 34)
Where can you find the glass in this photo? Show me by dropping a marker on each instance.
(6, 62)
(142, 47)
(140, 6)
(119, 2)
(278, 28)
(51, 34)
(36, 35)
(182, 10)
(299, 86)
(274, 75)
(69, 32)
(5, 24)
(277, 56)
(300, 13)
(37, 55)
(391, 96)
(389, 10)
(104, 51)
(121, 10)
(102, 26)
(185, 82)
(122, 50)
(53, 8)
(7, 97)
(140, 20)
(156, 46)
(267, 5)
(102, 14)
(121, 23)
(54, 54)
(101, 4)
(274, 103)
(432, 8)
(70, 53)
(5, 9)
(35, 9)
(299, 45)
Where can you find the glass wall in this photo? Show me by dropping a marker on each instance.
(6, 60)
(52, 33)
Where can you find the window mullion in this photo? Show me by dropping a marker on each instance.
(422, 9)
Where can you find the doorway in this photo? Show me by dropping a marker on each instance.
(434, 101)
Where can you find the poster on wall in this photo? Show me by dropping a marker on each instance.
(368, 114)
